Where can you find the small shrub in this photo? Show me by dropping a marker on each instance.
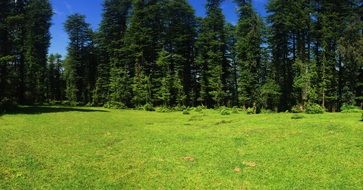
(225, 112)
(89, 104)
(54, 102)
(186, 112)
(179, 108)
(199, 108)
(235, 110)
(296, 116)
(350, 109)
(114, 105)
(66, 103)
(314, 109)
(251, 111)
(266, 111)
(297, 109)
(163, 109)
(148, 107)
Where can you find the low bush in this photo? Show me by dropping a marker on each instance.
(235, 110)
(350, 109)
(314, 109)
(225, 112)
(54, 102)
(163, 109)
(251, 111)
(266, 111)
(296, 116)
(179, 108)
(297, 109)
(199, 108)
(114, 105)
(148, 107)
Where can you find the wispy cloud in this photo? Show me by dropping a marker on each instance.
(57, 12)
(68, 7)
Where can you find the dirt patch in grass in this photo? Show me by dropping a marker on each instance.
(249, 164)
(189, 159)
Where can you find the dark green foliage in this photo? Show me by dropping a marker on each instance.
(113, 71)
(36, 43)
(6, 105)
(114, 105)
(80, 64)
(249, 53)
(148, 107)
(55, 84)
(211, 58)
(314, 109)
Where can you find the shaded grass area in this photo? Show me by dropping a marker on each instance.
(87, 148)
(48, 109)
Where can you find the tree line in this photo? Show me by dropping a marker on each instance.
(158, 53)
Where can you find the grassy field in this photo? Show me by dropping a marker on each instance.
(96, 148)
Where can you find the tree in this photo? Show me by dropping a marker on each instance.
(303, 82)
(112, 69)
(212, 57)
(249, 52)
(55, 83)
(36, 44)
(79, 65)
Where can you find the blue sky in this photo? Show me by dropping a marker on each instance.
(93, 11)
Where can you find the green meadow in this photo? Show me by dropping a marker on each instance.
(97, 148)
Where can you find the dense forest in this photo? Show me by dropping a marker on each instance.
(159, 53)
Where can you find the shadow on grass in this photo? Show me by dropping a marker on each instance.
(45, 109)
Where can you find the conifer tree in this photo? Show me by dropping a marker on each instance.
(37, 41)
(79, 65)
(248, 50)
(212, 57)
(112, 69)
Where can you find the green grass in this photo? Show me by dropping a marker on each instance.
(95, 148)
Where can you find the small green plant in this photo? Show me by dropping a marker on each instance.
(314, 109)
(225, 112)
(114, 105)
(199, 108)
(235, 110)
(296, 116)
(297, 109)
(266, 111)
(148, 107)
(163, 109)
(179, 108)
(350, 109)
(251, 111)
